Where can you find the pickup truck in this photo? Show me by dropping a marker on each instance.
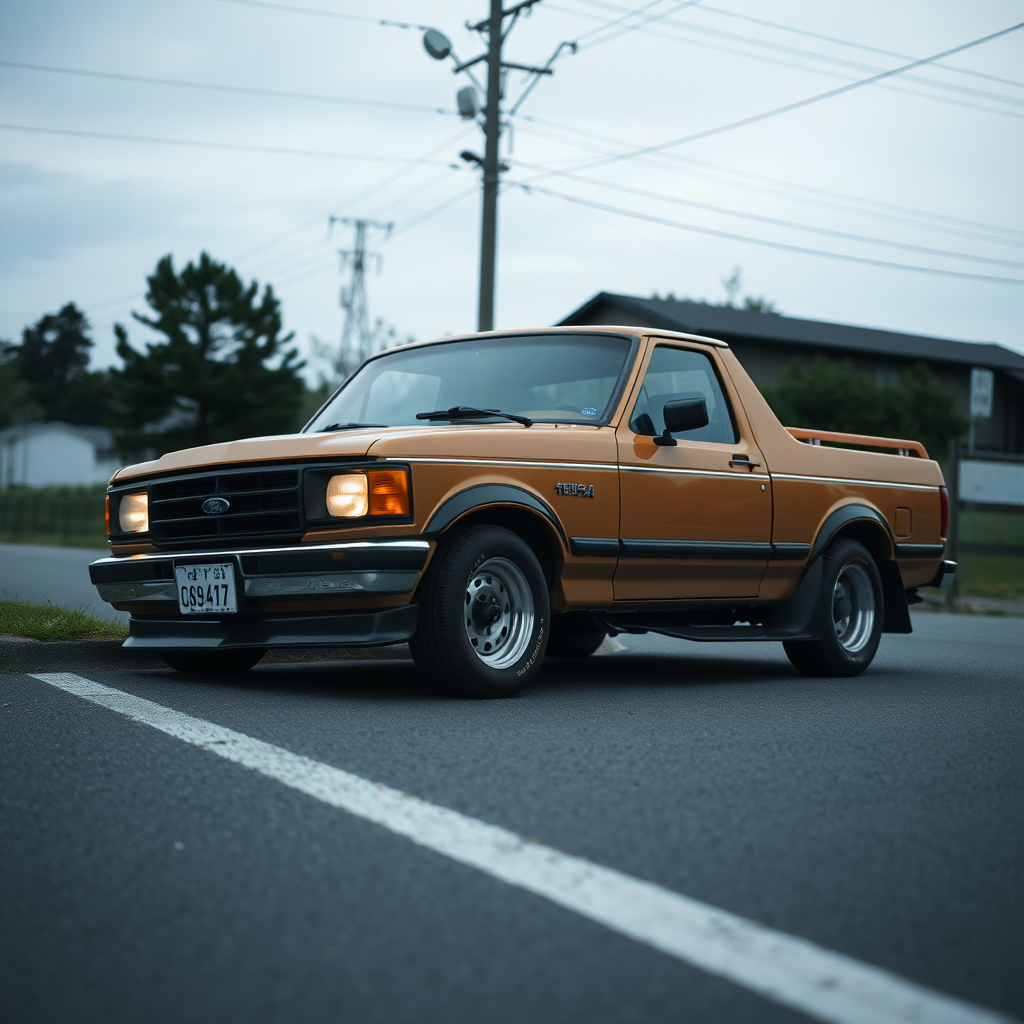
(497, 498)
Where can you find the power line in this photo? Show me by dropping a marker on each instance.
(703, 45)
(197, 144)
(291, 9)
(793, 225)
(410, 165)
(623, 29)
(427, 214)
(731, 236)
(414, 221)
(857, 46)
(688, 26)
(606, 24)
(789, 107)
(852, 64)
(823, 198)
(218, 87)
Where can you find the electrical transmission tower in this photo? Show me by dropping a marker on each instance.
(357, 337)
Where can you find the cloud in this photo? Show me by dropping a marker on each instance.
(45, 214)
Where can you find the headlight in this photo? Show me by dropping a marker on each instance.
(376, 492)
(347, 495)
(133, 513)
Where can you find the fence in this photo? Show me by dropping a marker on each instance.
(53, 515)
(986, 521)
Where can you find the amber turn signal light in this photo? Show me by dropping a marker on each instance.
(106, 513)
(389, 492)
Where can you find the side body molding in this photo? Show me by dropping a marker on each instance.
(491, 494)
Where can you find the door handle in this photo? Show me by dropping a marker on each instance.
(743, 460)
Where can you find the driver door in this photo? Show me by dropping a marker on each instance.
(695, 517)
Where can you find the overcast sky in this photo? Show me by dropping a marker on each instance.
(923, 170)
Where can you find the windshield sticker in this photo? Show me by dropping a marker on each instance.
(588, 410)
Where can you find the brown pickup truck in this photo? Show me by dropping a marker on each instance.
(500, 497)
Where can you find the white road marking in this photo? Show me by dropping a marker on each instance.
(788, 970)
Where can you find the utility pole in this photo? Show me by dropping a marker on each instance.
(356, 335)
(491, 171)
(439, 47)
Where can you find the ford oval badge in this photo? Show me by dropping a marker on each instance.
(215, 506)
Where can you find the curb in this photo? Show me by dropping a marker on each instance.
(18, 655)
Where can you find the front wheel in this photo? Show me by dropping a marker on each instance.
(851, 612)
(484, 611)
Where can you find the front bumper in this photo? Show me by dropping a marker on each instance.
(145, 586)
(312, 629)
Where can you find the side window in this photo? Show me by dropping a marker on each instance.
(683, 373)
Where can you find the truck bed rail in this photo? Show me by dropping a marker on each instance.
(902, 447)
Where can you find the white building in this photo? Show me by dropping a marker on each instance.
(56, 455)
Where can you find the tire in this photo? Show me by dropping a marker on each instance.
(484, 615)
(232, 660)
(574, 635)
(852, 610)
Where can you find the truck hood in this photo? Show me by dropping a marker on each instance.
(285, 447)
(576, 442)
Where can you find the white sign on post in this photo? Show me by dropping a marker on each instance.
(982, 382)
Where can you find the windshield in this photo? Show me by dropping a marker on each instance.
(562, 378)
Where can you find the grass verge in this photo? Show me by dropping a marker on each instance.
(52, 622)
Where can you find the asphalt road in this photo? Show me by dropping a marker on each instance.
(33, 572)
(146, 879)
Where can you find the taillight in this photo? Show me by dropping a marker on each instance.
(943, 512)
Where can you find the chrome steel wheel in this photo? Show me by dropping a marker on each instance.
(499, 612)
(853, 607)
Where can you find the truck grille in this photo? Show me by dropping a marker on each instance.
(263, 506)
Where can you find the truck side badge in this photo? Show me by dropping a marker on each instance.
(575, 490)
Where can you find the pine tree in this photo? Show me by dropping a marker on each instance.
(221, 371)
(52, 361)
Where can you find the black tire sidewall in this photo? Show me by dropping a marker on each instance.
(836, 559)
(441, 645)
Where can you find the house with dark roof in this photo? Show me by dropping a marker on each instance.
(765, 343)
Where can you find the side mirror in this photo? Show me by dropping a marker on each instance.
(682, 414)
(685, 414)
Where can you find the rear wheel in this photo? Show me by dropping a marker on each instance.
(574, 635)
(484, 612)
(237, 659)
(851, 612)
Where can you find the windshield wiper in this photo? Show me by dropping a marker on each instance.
(466, 412)
(350, 426)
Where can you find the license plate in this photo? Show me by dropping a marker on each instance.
(206, 589)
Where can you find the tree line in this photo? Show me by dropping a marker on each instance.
(220, 367)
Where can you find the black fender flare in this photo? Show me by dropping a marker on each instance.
(836, 520)
(897, 611)
(483, 495)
